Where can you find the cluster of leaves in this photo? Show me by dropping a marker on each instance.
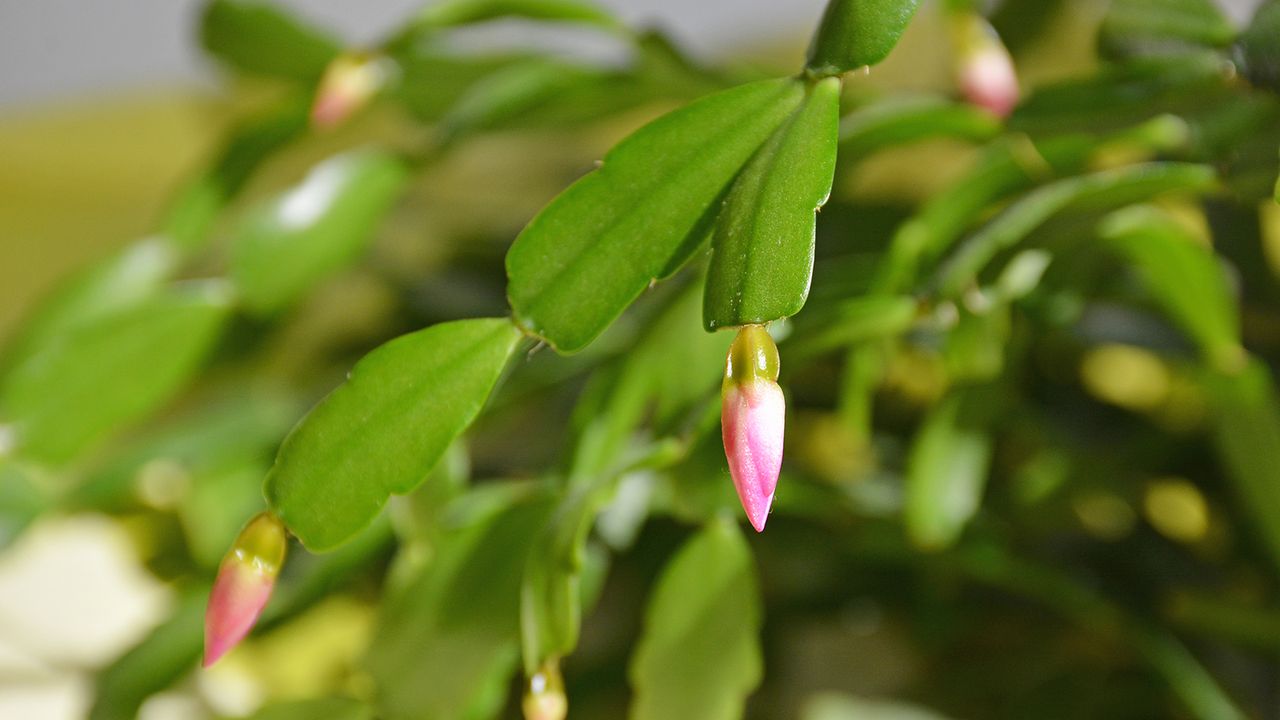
(956, 447)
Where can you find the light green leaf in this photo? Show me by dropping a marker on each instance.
(1108, 188)
(450, 13)
(335, 708)
(1259, 47)
(287, 245)
(446, 644)
(900, 120)
(852, 321)
(1134, 28)
(1245, 414)
(947, 470)
(260, 39)
(1184, 276)
(844, 707)
(762, 250)
(700, 655)
(510, 93)
(110, 371)
(384, 429)
(635, 219)
(23, 498)
(857, 33)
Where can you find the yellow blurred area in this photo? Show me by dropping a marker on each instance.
(1126, 376)
(1176, 509)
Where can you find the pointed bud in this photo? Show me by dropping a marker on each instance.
(985, 69)
(752, 419)
(348, 84)
(245, 580)
(544, 698)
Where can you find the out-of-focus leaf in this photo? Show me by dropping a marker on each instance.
(1245, 413)
(119, 281)
(1135, 28)
(260, 39)
(187, 221)
(947, 469)
(901, 120)
(285, 246)
(110, 371)
(336, 708)
(762, 250)
(1112, 188)
(451, 13)
(169, 651)
(385, 428)
(1258, 47)
(853, 321)
(1183, 276)
(699, 656)
(639, 216)
(844, 707)
(430, 83)
(974, 349)
(857, 33)
(447, 644)
(22, 499)
(1020, 23)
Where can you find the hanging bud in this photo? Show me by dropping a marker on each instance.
(985, 69)
(752, 418)
(245, 580)
(544, 697)
(349, 83)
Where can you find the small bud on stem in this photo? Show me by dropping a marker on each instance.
(349, 83)
(544, 698)
(245, 580)
(984, 68)
(752, 420)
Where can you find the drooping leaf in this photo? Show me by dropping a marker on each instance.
(1111, 188)
(901, 120)
(857, 33)
(699, 656)
(947, 469)
(1183, 276)
(635, 219)
(1134, 28)
(446, 644)
(763, 247)
(1259, 47)
(384, 429)
(1245, 422)
(111, 370)
(288, 244)
(261, 39)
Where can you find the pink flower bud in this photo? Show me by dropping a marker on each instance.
(752, 420)
(985, 69)
(544, 698)
(245, 580)
(348, 84)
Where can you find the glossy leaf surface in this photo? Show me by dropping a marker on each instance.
(763, 246)
(635, 219)
(383, 430)
(857, 33)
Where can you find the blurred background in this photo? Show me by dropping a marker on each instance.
(105, 107)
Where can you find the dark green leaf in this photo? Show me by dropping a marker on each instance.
(699, 656)
(260, 39)
(385, 428)
(598, 245)
(1184, 276)
(1108, 188)
(762, 251)
(1258, 48)
(287, 245)
(1135, 28)
(857, 33)
(111, 370)
(1245, 413)
(446, 645)
(901, 120)
(947, 469)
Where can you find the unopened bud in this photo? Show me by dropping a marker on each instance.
(544, 698)
(984, 67)
(752, 420)
(245, 580)
(348, 84)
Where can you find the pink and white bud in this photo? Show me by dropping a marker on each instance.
(245, 580)
(544, 699)
(348, 84)
(985, 69)
(752, 421)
